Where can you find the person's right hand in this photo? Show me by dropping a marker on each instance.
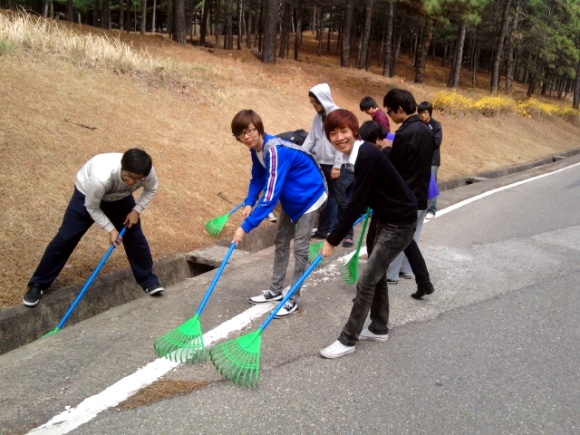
(115, 239)
(247, 211)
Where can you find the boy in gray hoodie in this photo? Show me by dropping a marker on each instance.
(339, 177)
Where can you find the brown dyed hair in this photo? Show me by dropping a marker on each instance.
(243, 119)
(341, 118)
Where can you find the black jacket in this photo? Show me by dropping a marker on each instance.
(379, 186)
(438, 138)
(411, 155)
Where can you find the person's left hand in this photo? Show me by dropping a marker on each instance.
(131, 219)
(335, 173)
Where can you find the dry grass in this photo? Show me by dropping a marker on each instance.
(57, 111)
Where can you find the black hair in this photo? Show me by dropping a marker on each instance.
(425, 105)
(368, 103)
(402, 98)
(136, 161)
(311, 94)
(371, 131)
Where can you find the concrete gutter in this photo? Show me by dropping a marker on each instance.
(21, 325)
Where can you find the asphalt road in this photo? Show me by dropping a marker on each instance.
(493, 350)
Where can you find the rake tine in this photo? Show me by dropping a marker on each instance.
(239, 359)
(216, 225)
(185, 343)
(86, 286)
(350, 271)
(314, 250)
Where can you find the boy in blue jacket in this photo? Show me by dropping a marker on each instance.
(288, 174)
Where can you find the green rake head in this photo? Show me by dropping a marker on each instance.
(216, 226)
(350, 270)
(184, 344)
(314, 251)
(239, 359)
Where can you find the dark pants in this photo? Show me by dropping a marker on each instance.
(414, 255)
(325, 219)
(76, 223)
(343, 188)
(372, 293)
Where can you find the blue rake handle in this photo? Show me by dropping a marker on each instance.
(291, 292)
(216, 278)
(89, 283)
(236, 208)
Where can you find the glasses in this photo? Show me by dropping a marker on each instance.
(130, 177)
(248, 132)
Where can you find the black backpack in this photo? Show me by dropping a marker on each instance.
(297, 136)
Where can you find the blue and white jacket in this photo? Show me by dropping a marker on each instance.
(290, 175)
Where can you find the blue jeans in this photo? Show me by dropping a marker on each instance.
(372, 293)
(76, 223)
(287, 230)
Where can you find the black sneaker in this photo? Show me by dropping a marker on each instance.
(425, 290)
(32, 296)
(154, 290)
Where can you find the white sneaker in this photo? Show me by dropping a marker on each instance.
(266, 296)
(272, 218)
(429, 216)
(336, 350)
(368, 335)
(289, 308)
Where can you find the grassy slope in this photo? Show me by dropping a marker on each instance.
(48, 103)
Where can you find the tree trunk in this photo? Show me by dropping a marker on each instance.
(475, 65)
(397, 50)
(153, 13)
(320, 30)
(329, 37)
(285, 30)
(455, 73)
(576, 99)
(121, 15)
(362, 58)
(249, 29)
(106, 15)
(423, 50)
(229, 42)
(240, 23)
(298, 36)
(203, 23)
(346, 34)
(389, 39)
(179, 31)
(509, 74)
(143, 16)
(70, 10)
(496, 73)
(270, 24)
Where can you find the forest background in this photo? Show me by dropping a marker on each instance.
(70, 91)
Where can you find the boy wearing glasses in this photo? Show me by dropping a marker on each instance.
(290, 175)
(104, 194)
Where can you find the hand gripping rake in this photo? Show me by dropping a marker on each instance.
(86, 287)
(239, 359)
(185, 343)
(216, 225)
(350, 269)
(315, 248)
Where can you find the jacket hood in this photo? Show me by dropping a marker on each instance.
(322, 92)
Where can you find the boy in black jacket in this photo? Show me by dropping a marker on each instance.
(425, 111)
(377, 185)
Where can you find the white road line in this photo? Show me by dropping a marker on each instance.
(126, 387)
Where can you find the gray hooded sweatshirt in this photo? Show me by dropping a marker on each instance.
(316, 141)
